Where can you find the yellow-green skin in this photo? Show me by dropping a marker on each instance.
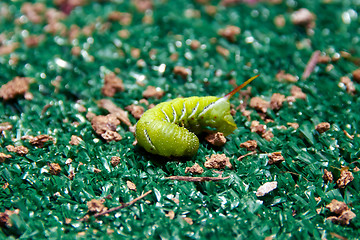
(170, 128)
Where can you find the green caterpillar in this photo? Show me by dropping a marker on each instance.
(170, 128)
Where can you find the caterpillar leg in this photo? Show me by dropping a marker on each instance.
(166, 139)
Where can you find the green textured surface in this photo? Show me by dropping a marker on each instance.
(229, 208)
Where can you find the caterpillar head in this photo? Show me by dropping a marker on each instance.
(218, 113)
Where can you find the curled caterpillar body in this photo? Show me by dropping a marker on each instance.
(170, 128)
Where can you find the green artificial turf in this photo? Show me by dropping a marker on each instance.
(229, 208)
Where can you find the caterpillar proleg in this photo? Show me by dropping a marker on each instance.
(170, 128)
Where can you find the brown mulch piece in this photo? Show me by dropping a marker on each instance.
(117, 208)
(143, 5)
(345, 178)
(322, 127)
(4, 126)
(17, 86)
(328, 177)
(311, 64)
(96, 206)
(115, 160)
(5, 217)
(131, 186)
(250, 145)
(259, 104)
(75, 140)
(55, 168)
(105, 126)
(170, 214)
(297, 93)
(217, 139)
(9, 48)
(33, 41)
(344, 215)
(293, 125)
(123, 18)
(114, 110)
(282, 76)
(182, 71)
(222, 51)
(356, 75)
(217, 161)
(196, 179)
(3, 157)
(152, 91)
(303, 17)
(230, 33)
(39, 140)
(195, 169)
(112, 84)
(21, 150)
(195, 44)
(261, 130)
(188, 220)
(350, 87)
(275, 158)
(276, 101)
(135, 110)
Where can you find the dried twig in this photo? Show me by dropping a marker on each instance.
(120, 207)
(311, 64)
(196, 179)
(248, 154)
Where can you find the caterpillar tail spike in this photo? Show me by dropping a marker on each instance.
(170, 128)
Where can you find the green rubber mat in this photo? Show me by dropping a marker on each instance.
(68, 169)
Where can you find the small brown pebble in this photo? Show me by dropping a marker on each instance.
(297, 93)
(328, 177)
(282, 76)
(356, 75)
(195, 44)
(96, 206)
(293, 125)
(322, 127)
(68, 220)
(4, 126)
(96, 170)
(196, 169)
(276, 101)
(250, 145)
(345, 178)
(280, 21)
(259, 104)
(115, 160)
(135, 52)
(350, 87)
(230, 33)
(105, 126)
(324, 59)
(75, 140)
(17, 86)
(3, 157)
(112, 84)
(275, 158)
(55, 168)
(153, 92)
(217, 139)
(5, 220)
(337, 207)
(170, 214)
(75, 51)
(143, 5)
(125, 34)
(188, 220)
(266, 188)
(123, 18)
(174, 57)
(21, 150)
(218, 161)
(135, 110)
(182, 71)
(131, 186)
(303, 17)
(210, 10)
(222, 51)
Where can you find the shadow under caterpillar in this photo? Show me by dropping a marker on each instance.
(170, 128)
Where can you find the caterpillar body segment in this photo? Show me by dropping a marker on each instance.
(170, 128)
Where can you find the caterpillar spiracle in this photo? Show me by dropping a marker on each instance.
(170, 128)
